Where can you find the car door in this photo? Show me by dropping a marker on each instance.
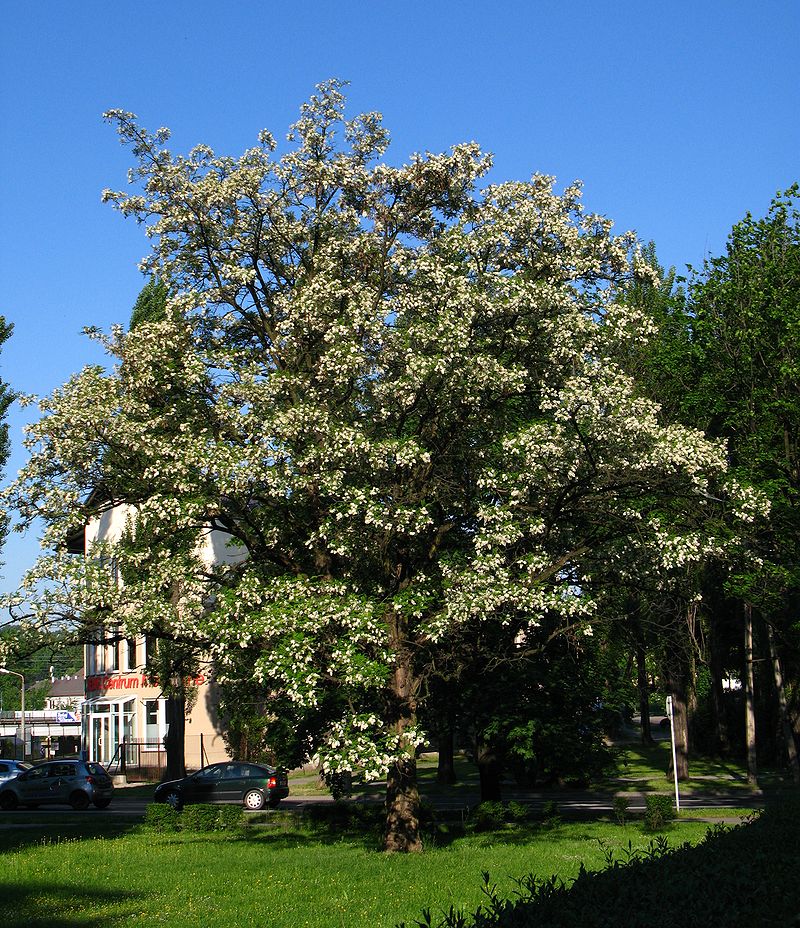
(234, 782)
(34, 784)
(205, 785)
(63, 779)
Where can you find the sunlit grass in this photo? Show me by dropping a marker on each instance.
(644, 768)
(284, 878)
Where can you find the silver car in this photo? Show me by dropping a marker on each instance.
(68, 782)
(10, 768)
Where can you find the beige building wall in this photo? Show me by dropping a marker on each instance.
(121, 703)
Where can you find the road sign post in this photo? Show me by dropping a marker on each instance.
(674, 757)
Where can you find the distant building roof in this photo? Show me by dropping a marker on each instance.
(67, 686)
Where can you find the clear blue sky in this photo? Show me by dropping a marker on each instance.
(678, 116)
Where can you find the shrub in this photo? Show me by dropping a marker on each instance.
(160, 818)
(742, 877)
(517, 812)
(195, 818)
(230, 818)
(658, 812)
(199, 818)
(488, 815)
(339, 816)
(550, 814)
(620, 809)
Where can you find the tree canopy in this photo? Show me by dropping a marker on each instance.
(409, 399)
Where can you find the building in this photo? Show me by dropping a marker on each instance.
(123, 712)
(66, 694)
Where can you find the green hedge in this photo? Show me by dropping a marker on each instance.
(195, 818)
(742, 877)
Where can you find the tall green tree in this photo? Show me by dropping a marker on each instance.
(727, 360)
(745, 309)
(401, 394)
(151, 304)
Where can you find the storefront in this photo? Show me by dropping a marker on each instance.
(124, 717)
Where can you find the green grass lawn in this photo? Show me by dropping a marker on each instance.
(275, 877)
(643, 768)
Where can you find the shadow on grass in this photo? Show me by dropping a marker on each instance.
(51, 905)
(644, 766)
(30, 835)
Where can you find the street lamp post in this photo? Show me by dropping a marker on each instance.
(22, 702)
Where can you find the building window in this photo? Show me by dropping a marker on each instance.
(130, 649)
(151, 720)
(113, 663)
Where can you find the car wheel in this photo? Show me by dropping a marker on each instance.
(253, 800)
(102, 803)
(8, 801)
(173, 799)
(79, 800)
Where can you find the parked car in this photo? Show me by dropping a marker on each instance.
(252, 785)
(10, 768)
(70, 782)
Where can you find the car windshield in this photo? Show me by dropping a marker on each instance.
(96, 769)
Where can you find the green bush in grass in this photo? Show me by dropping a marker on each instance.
(620, 809)
(160, 818)
(201, 818)
(658, 812)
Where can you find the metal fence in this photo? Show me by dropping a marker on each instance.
(139, 760)
(146, 760)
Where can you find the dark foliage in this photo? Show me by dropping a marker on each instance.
(742, 877)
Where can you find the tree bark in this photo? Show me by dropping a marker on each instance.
(174, 740)
(402, 808)
(643, 686)
(749, 697)
(677, 675)
(783, 712)
(402, 795)
(680, 720)
(489, 772)
(721, 737)
(446, 769)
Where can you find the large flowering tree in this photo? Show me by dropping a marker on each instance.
(405, 397)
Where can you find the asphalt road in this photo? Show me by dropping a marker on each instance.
(569, 802)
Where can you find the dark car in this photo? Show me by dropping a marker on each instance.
(251, 785)
(68, 782)
(12, 768)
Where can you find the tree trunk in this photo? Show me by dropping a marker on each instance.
(749, 697)
(721, 738)
(677, 673)
(643, 686)
(402, 795)
(402, 808)
(680, 720)
(489, 772)
(783, 712)
(174, 740)
(446, 770)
